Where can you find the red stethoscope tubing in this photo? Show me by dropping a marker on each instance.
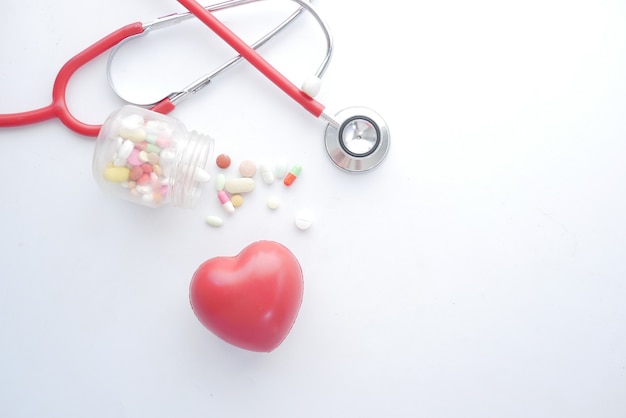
(58, 108)
(253, 57)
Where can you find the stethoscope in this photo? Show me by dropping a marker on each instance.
(356, 138)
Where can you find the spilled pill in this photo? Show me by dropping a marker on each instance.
(236, 200)
(201, 175)
(292, 175)
(304, 220)
(280, 168)
(267, 174)
(247, 168)
(239, 185)
(225, 201)
(223, 161)
(273, 202)
(214, 221)
(220, 182)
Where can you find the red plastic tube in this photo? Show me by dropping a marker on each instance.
(58, 108)
(253, 57)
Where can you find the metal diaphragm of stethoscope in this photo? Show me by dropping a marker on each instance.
(356, 138)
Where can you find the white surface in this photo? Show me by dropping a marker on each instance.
(479, 272)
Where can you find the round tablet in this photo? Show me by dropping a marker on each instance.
(236, 200)
(304, 219)
(247, 168)
(273, 202)
(223, 161)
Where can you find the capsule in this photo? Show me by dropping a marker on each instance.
(292, 175)
(225, 201)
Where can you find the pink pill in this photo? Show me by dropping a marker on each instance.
(147, 168)
(156, 183)
(163, 141)
(133, 158)
(247, 168)
(144, 179)
(135, 173)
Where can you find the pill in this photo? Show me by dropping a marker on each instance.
(292, 175)
(163, 141)
(214, 220)
(201, 175)
(273, 202)
(143, 156)
(280, 168)
(158, 127)
(223, 161)
(304, 219)
(133, 158)
(236, 200)
(116, 174)
(153, 158)
(247, 168)
(144, 179)
(220, 182)
(225, 201)
(155, 182)
(135, 173)
(125, 149)
(267, 174)
(143, 189)
(132, 121)
(153, 149)
(135, 135)
(239, 185)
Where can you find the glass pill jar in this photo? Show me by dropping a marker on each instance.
(151, 159)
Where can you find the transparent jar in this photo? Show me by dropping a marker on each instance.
(151, 159)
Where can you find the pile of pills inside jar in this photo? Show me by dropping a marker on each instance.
(151, 159)
(231, 191)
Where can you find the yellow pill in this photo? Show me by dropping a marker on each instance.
(236, 200)
(116, 174)
(135, 135)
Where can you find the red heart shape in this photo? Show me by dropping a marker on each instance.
(250, 300)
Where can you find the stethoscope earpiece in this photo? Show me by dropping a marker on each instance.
(358, 141)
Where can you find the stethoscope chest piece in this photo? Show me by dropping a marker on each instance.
(360, 141)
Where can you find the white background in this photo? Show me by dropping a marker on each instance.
(478, 272)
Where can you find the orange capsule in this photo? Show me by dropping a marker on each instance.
(292, 175)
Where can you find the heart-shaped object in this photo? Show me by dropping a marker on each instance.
(250, 300)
